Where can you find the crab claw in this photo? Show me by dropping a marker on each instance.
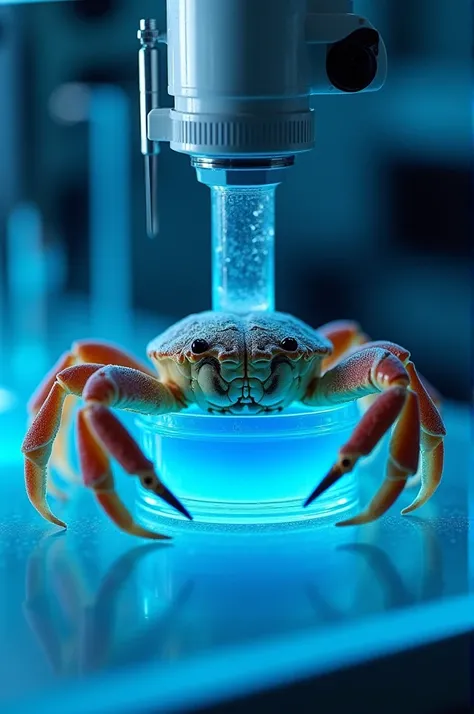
(332, 477)
(36, 448)
(100, 433)
(166, 496)
(120, 444)
(397, 401)
(119, 514)
(35, 482)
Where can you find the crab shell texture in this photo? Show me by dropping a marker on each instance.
(239, 364)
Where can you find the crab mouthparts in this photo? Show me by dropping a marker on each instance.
(246, 406)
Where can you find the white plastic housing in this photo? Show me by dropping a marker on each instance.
(242, 73)
(238, 70)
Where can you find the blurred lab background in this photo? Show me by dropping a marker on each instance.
(373, 225)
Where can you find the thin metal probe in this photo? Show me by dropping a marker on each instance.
(148, 72)
(151, 195)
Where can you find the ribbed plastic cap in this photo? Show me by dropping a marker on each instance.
(220, 135)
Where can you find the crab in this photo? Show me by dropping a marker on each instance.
(225, 363)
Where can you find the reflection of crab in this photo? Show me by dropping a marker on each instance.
(232, 364)
(76, 623)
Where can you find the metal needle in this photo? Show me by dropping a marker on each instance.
(148, 35)
(151, 195)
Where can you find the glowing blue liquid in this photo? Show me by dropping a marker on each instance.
(243, 235)
(249, 468)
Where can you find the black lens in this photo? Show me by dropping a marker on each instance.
(351, 64)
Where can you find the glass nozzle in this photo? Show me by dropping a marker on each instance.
(243, 235)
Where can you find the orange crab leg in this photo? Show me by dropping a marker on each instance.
(107, 353)
(82, 351)
(432, 446)
(373, 370)
(403, 355)
(95, 466)
(432, 392)
(41, 393)
(134, 391)
(433, 429)
(38, 442)
(343, 334)
(59, 454)
(121, 387)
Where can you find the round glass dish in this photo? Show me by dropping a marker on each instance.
(248, 469)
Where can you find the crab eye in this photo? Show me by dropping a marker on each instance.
(199, 346)
(289, 344)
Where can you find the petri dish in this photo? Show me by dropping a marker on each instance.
(248, 469)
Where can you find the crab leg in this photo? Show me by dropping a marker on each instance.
(100, 432)
(343, 334)
(433, 430)
(97, 474)
(38, 442)
(42, 392)
(403, 355)
(82, 351)
(59, 455)
(373, 370)
(101, 387)
(432, 447)
(59, 459)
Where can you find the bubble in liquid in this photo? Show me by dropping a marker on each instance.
(243, 235)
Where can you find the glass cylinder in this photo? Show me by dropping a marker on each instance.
(243, 238)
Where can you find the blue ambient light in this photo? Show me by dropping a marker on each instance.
(249, 469)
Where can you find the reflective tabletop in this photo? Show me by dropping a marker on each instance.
(94, 620)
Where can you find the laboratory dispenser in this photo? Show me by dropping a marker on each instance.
(243, 117)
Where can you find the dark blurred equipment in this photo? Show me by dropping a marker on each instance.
(93, 9)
